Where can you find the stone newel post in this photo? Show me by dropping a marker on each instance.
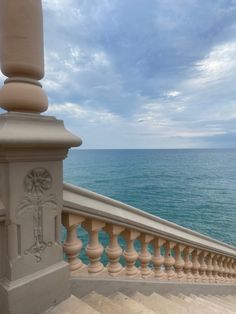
(22, 56)
(33, 275)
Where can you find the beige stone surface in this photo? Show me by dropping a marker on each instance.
(103, 304)
(129, 304)
(221, 302)
(118, 303)
(72, 305)
(158, 305)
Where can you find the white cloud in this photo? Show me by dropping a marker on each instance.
(173, 93)
(218, 65)
(79, 112)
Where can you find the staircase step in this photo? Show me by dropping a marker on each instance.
(196, 304)
(102, 304)
(215, 308)
(177, 299)
(72, 305)
(155, 305)
(119, 303)
(221, 302)
(129, 305)
(177, 308)
(230, 298)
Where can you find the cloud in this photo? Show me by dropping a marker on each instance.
(157, 74)
(78, 112)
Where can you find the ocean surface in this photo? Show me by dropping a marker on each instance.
(193, 188)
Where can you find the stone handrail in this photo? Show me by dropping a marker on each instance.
(168, 251)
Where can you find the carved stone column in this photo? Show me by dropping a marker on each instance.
(203, 266)
(179, 262)
(188, 263)
(221, 268)
(130, 253)
(158, 259)
(114, 250)
(196, 265)
(94, 248)
(210, 267)
(144, 256)
(216, 268)
(32, 149)
(234, 271)
(169, 260)
(73, 245)
(225, 269)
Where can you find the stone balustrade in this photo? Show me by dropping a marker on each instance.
(151, 247)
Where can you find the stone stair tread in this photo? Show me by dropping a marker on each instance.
(212, 305)
(118, 303)
(130, 304)
(194, 302)
(190, 305)
(230, 298)
(177, 299)
(158, 307)
(102, 304)
(169, 303)
(72, 305)
(221, 302)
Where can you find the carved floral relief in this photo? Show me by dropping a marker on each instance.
(37, 183)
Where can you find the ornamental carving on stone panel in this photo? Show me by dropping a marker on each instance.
(37, 183)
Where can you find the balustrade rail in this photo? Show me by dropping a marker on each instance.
(167, 251)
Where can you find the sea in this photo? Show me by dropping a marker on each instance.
(195, 188)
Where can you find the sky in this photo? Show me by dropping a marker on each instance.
(143, 73)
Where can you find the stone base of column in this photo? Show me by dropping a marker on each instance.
(35, 293)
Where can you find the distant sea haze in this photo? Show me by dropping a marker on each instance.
(193, 188)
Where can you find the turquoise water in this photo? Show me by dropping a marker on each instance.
(193, 188)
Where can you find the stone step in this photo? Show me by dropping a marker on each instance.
(168, 303)
(155, 305)
(129, 305)
(102, 304)
(119, 303)
(72, 305)
(190, 305)
(195, 302)
(212, 305)
(221, 302)
(178, 300)
(230, 298)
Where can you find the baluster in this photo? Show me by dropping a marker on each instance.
(169, 261)
(158, 259)
(221, 269)
(209, 267)
(234, 270)
(228, 273)
(73, 245)
(225, 269)
(130, 253)
(228, 269)
(203, 266)
(145, 257)
(114, 250)
(179, 262)
(196, 264)
(216, 268)
(188, 263)
(94, 249)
